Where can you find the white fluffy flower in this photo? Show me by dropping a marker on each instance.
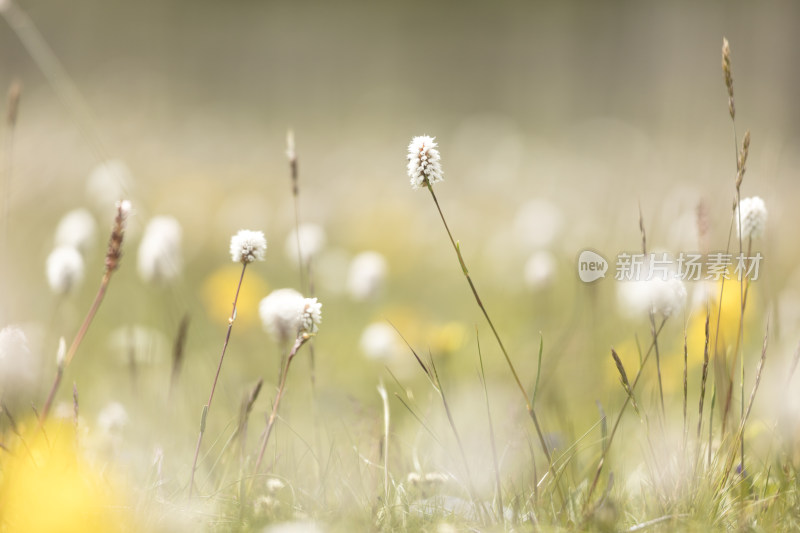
(159, 258)
(753, 217)
(113, 418)
(108, 182)
(664, 297)
(668, 296)
(312, 241)
(366, 275)
(17, 366)
(379, 341)
(77, 229)
(537, 223)
(311, 316)
(540, 269)
(248, 246)
(280, 314)
(423, 162)
(64, 269)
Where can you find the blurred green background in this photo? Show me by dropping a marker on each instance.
(589, 108)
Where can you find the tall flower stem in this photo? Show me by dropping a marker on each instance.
(301, 339)
(528, 404)
(113, 256)
(76, 342)
(207, 406)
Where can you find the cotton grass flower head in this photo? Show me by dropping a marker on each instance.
(312, 240)
(310, 316)
(540, 269)
(379, 341)
(159, 260)
(753, 215)
(248, 246)
(109, 181)
(113, 418)
(78, 229)
(424, 167)
(18, 368)
(663, 297)
(65, 269)
(366, 275)
(281, 313)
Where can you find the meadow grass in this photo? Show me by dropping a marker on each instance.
(447, 449)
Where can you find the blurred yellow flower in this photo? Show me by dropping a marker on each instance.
(447, 338)
(47, 487)
(219, 289)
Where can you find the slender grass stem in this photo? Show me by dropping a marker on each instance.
(614, 428)
(76, 342)
(207, 406)
(499, 486)
(113, 255)
(386, 420)
(528, 404)
(274, 414)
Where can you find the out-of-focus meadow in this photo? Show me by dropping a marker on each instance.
(556, 124)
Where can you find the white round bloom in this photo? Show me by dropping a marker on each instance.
(379, 341)
(113, 418)
(366, 275)
(311, 316)
(281, 313)
(18, 368)
(538, 223)
(664, 297)
(159, 259)
(540, 269)
(64, 269)
(248, 246)
(753, 217)
(312, 240)
(108, 182)
(77, 229)
(423, 162)
(668, 296)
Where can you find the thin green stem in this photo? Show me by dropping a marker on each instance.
(464, 269)
(207, 406)
(76, 342)
(628, 398)
(274, 414)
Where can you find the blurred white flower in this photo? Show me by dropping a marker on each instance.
(17, 367)
(312, 241)
(77, 229)
(366, 275)
(379, 341)
(753, 217)
(310, 316)
(281, 313)
(293, 527)
(159, 258)
(668, 296)
(538, 223)
(664, 297)
(64, 269)
(138, 344)
(423, 162)
(113, 419)
(274, 484)
(248, 246)
(540, 269)
(108, 182)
